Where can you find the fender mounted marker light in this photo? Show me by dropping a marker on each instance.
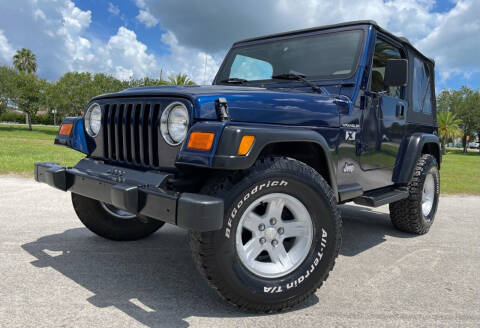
(245, 145)
(200, 140)
(65, 129)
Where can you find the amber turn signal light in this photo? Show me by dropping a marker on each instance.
(200, 140)
(65, 129)
(245, 145)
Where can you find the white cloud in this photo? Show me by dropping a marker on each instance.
(54, 31)
(213, 25)
(147, 18)
(6, 51)
(39, 14)
(454, 42)
(112, 9)
(450, 37)
(57, 34)
(198, 65)
(60, 33)
(128, 57)
(77, 48)
(140, 3)
(75, 19)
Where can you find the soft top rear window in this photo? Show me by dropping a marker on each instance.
(421, 91)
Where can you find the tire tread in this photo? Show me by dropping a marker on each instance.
(98, 221)
(405, 214)
(202, 244)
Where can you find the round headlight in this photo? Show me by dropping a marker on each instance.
(174, 123)
(93, 120)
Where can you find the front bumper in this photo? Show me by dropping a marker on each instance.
(134, 191)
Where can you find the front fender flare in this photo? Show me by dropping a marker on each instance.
(77, 138)
(226, 156)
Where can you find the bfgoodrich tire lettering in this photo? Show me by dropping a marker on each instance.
(98, 220)
(407, 214)
(215, 252)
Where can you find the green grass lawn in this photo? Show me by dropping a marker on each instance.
(20, 148)
(460, 173)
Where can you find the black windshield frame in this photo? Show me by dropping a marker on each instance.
(229, 58)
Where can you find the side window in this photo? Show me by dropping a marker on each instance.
(383, 52)
(421, 90)
(249, 68)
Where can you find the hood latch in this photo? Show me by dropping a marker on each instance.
(221, 108)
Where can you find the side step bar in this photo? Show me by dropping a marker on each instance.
(381, 197)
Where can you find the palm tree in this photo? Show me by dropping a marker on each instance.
(180, 79)
(448, 127)
(25, 61)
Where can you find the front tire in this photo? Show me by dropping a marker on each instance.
(112, 223)
(416, 213)
(281, 235)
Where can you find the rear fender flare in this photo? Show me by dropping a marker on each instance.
(411, 150)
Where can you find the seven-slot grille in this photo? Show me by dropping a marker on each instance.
(131, 133)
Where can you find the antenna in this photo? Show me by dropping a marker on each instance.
(205, 71)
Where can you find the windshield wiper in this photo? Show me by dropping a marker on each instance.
(234, 80)
(297, 76)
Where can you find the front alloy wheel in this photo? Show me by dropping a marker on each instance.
(281, 235)
(274, 236)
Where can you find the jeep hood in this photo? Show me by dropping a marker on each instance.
(251, 104)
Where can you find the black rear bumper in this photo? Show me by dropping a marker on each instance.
(134, 191)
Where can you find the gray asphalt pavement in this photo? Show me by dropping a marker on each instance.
(54, 272)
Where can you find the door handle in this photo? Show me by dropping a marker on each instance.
(400, 110)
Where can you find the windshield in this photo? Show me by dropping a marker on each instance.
(318, 57)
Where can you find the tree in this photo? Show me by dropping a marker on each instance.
(7, 78)
(466, 105)
(29, 94)
(25, 61)
(29, 91)
(180, 79)
(72, 92)
(145, 82)
(445, 100)
(448, 127)
(103, 83)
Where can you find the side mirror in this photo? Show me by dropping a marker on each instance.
(396, 73)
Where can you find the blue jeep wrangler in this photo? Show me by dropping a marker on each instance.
(255, 165)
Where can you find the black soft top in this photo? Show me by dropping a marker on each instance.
(402, 40)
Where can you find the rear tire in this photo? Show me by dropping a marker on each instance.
(101, 219)
(287, 270)
(416, 213)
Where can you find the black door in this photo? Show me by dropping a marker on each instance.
(383, 121)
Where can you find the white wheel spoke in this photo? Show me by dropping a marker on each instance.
(294, 229)
(252, 249)
(275, 208)
(428, 195)
(252, 221)
(268, 232)
(279, 256)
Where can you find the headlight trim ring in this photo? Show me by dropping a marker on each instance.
(88, 120)
(164, 123)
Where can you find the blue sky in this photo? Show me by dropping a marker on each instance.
(137, 38)
(106, 22)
